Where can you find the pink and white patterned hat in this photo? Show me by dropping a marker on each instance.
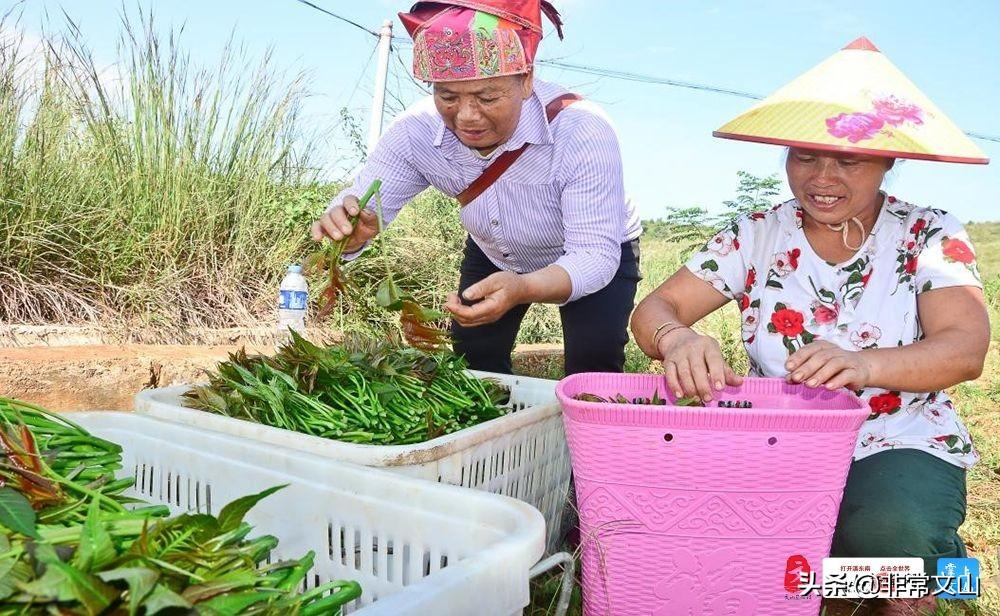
(855, 101)
(476, 39)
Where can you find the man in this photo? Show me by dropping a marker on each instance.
(553, 227)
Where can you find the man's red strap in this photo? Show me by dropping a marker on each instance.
(503, 162)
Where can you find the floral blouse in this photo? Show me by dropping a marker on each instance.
(789, 296)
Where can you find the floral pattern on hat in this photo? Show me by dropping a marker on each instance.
(888, 110)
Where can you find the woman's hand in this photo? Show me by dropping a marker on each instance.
(693, 364)
(824, 364)
(335, 223)
(493, 297)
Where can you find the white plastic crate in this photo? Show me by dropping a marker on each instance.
(522, 454)
(415, 547)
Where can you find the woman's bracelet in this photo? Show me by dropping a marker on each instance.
(665, 329)
(662, 325)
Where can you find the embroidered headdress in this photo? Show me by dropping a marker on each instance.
(476, 39)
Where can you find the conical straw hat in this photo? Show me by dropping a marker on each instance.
(855, 101)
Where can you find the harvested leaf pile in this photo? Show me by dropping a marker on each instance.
(380, 393)
(72, 544)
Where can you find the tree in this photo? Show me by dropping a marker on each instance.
(680, 225)
(753, 194)
(693, 226)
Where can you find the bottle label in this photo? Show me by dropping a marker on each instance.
(292, 300)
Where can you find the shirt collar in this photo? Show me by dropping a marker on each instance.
(532, 127)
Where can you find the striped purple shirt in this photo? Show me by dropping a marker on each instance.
(562, 202)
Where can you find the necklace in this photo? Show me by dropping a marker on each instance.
(845, 230)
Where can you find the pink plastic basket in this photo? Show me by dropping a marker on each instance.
(706, 510)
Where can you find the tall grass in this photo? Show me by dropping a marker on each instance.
(157, 193)
(165, 195)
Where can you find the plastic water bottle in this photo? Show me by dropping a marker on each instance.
(292, 301)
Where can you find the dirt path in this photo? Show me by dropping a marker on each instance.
(82, 376)
(71, 378)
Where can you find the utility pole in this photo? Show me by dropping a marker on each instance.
(381, 72)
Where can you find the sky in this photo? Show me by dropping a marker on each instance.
(670, 157)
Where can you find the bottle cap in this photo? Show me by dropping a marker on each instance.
(294, 269)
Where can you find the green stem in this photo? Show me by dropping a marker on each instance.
(51, 475)
(57, 419)
(72, 534)
(337, 248)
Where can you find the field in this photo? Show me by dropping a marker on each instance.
(172, 197)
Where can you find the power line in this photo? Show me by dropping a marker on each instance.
(993, 138)
(335, 16)
(361, 76)
(611, 73)
(606, 72)
(625, 76)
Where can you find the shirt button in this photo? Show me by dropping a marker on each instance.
(506, 254)
(495, 222)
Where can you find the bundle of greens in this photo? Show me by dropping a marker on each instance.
(326, 262)
(420, 326)
(71, 543)
(360, 391)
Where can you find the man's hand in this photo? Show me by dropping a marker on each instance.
(493, 297)
(335, 224)
(824, 364)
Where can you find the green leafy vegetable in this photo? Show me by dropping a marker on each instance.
(16, 512)
(359, 391)
(70, 546)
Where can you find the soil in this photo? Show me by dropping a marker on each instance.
(70, 369)
(100, 377)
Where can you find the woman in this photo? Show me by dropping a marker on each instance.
(844, 286)
(555, 227)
